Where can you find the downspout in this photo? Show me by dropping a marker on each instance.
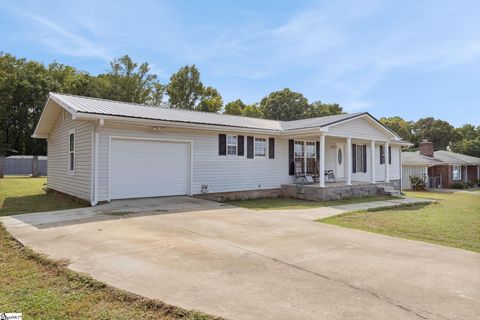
(95, 162)
(401, 168)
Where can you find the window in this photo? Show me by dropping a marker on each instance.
(305, 152)
(456, 172)
(382, 155)
(361, 161)
(298, 149)
(260, 147)
(231, 145)
(71, 152)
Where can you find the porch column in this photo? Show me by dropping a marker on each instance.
(466, 173)
(387, 160)
(322, 161)
(478, 172)
(372, 161)
(349, 161)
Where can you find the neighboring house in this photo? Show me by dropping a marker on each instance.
(441, 168)
(24, 165)
(99, 150)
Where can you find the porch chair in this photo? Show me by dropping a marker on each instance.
(329, 176)
(300, 176)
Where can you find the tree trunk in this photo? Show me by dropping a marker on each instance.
(2, 166)
(35, 172)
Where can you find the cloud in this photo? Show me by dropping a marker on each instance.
(61, 40)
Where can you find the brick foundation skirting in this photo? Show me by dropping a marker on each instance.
(240, 195)
(315, 193)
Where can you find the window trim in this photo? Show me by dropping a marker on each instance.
(459, 170)
(71, 153)
(231, 145)
(255, 147)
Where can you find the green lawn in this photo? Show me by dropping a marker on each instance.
(287, 203)
(25, 195)
(44, 289)
(453, 221)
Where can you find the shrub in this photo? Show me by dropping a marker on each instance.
(460, 185)
(417, 183)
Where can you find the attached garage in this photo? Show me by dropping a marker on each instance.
(149, 168)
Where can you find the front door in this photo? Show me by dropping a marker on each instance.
(340, 156)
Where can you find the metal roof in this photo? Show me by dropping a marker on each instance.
(440, 157)
(317, 122)
(78, 104)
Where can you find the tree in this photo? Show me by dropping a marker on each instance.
(210, 101)
(235, 107)
(185, 88)
(24, 86)
(468, 147)
(284, 105)
(252, 110)
(399, 126)
(467, 140)
(130, 82)
(319, 109)
(437, 131)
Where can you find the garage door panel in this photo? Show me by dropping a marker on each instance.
(148, 168)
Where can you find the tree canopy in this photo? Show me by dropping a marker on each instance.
(284, 105)
(235, 107)
(25, 84)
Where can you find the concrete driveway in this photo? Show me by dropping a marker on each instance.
(242, 264)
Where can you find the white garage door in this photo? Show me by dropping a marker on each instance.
(145, 168)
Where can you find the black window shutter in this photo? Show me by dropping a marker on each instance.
(249, 147)
(291, 164)
(364, 158)
(222, 144)
(317, 146)
(354, 158)
(389, 155)
(271, 148)
(382, 154)
(240, 145)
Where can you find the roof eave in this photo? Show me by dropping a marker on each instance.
(169, 123)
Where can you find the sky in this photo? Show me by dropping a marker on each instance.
(408, 58)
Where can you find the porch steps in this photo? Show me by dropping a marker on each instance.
(389, 191)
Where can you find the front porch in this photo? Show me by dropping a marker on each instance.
(338, 190)
(350, 160)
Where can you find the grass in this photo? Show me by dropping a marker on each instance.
(25, 195)
(454, 220)
(41, 288)
(287, 203)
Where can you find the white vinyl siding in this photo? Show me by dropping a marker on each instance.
(360, 127)
(221, 174)
(417, 171)
(58, 149)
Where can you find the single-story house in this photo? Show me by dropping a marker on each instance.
(440, 168)
(100, 150)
